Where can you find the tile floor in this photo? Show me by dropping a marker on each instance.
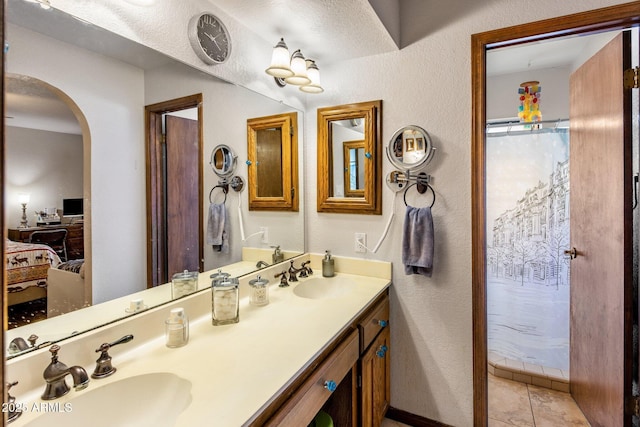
(513, 403)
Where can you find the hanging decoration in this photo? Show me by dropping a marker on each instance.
(529, 95)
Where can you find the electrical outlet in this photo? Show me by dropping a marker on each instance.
(265, 234)
(361, 243)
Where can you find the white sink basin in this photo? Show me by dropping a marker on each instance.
(153, 400)
(323, 287)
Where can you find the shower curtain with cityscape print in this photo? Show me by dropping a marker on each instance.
(527, 199)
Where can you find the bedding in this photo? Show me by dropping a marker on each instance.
(27, 265)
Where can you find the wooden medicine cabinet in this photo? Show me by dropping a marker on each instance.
(273, 162)
(350, 158)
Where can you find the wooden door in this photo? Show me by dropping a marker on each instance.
(182, 190)
(601, 231)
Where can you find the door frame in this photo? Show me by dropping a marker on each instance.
(155, 194)
(617, 17)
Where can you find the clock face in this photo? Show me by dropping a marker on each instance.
(209, 38)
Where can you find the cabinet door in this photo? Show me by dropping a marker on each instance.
(376, 384)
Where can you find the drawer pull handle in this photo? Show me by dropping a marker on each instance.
(330, 385)
(382, 351)
(383, 323)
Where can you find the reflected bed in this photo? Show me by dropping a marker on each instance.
(27, 268)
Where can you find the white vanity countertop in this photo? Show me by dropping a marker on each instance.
(236, 370)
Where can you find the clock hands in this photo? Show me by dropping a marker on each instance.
(213, 39)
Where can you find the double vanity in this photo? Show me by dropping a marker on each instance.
(320, 344)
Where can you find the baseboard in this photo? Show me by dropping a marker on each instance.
(412, 419)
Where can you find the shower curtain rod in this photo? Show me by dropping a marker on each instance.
(521, 127)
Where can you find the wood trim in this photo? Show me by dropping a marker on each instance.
(371, 203)
(347, 146)
(412, 419)
(153, 131)
(609, 18)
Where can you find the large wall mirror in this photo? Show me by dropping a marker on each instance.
(106, 164)
(350, 158)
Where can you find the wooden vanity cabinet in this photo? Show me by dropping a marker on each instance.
(301, 408)
(358, 362)
(374, 365)
(375, 390)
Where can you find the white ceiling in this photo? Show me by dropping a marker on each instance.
(564, 52)
(325, 30)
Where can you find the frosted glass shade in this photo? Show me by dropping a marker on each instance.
(314, 75)
(23, 198)
(299, 68)
(280, 65)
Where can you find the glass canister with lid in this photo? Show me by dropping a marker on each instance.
(259, 291)
(225, 301)
(184, 283)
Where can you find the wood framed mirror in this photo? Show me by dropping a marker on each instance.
(350, 158)
(273, 162)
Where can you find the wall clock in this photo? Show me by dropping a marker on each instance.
(209, 38)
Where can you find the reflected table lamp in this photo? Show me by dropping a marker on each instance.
(23, 199)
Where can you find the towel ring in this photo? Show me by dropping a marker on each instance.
(224, 190)
(427, 187)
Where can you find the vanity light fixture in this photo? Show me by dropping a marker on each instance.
(294, 69)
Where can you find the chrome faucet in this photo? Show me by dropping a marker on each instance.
(104, 368)
(55, 374)
(261, 264)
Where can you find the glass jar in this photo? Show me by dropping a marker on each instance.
(177, 328)
(219, 276)
(225, 300)
(184, 283)
(259, 292)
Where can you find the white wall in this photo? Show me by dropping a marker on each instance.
(226, 108)
(110, 94)
(46, 165)
(427, 83)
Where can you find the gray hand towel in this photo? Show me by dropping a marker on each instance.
(417, 241)
(218, 228)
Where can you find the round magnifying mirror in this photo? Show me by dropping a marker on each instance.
(410, 148)
(223, 161)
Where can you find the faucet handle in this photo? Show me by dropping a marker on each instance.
(54, 349)
(283, 279)
(14, 411)
(104, 368)
(32, 339)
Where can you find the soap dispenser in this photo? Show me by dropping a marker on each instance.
(277, 255)
(328, 268)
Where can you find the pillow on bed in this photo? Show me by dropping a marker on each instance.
(73, 266)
